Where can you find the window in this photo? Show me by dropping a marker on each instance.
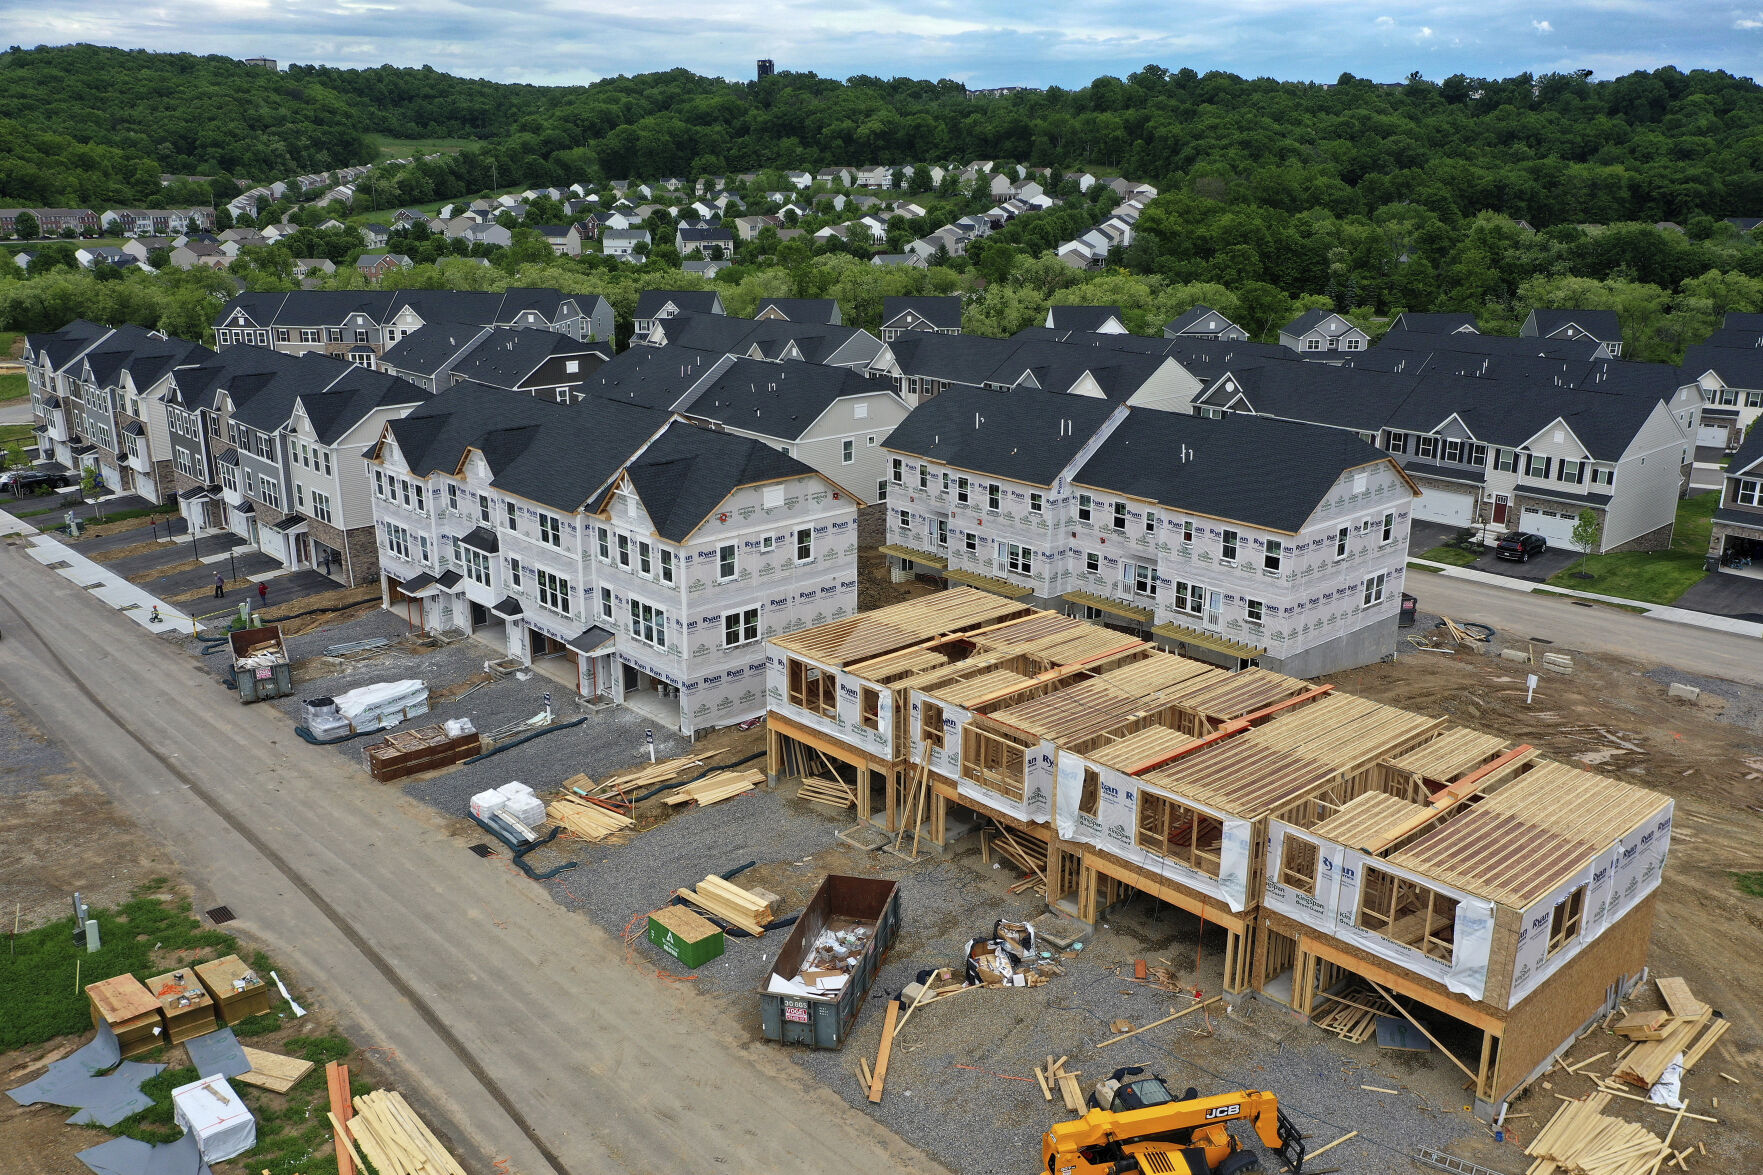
(804, 544)
(1143, 578)
(603, 543)
(333, 335)
(1089, 801)
(924, 477)
(550, 528)
(847, 452)
(906, 520)
(308, 336)
(1019, 560)
(1312, 344)
(553, 591)
(397, 541)
(726, 568)
(1083, 507)
(994, 496)
(1408, 913)
(379, 484)
(624, 552)
(942, 532)
(1271, 557)
(1120, 516)
(606, 603)
(281, 334)
(1505, 460)
(898, 468)
(1093, 563)
(881, 490)
(869, 707)
(422, 543)
(299, 496)
(961, 490)
(421, 500)
(1253, 611)
(813, 689)
(1476, 454)
(1180, 833)
(930, 725)
(477, 566)
(514, 575)
(1353, 344)
(483, 509)
(1189, 598)
(1454, 451)
(1565, 923)
(452, 497)
(1036, 504)
(1603, 477)
(404, 488)
(1426, 447)
(361, 336)
(510, 516)
(1536, 466)
(1389, 527)
(645, 559)
(1398, 442)
(1340, 542)
(1150, 522)
(1187, 533)
(740, 628)
(970, 541)
(1228, 549)
(1297, 864)
(1572, 472)
(993, 762)
(666, 565)
(1374, 589)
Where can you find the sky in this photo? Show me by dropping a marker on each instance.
(979, 42)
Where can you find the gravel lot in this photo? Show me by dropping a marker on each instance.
(960, 1082)
(1744, 703)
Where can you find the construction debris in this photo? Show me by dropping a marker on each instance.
(1053, 1076)
(1173, 1015)
(831, 792)
(1581, 1140)
(1353, 1013)
(587, 819)
(634, 778)
(1689, 1029)
(395, 1140)
(740, 908)
(272, 1071)
(715, 788)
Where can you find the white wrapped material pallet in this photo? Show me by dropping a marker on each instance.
(487, 803)
(374, 707)
(522, 804)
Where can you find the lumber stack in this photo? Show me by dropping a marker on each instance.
(395, 1140)
(637, 778)
(1582, 1140)
(832, 792)
(1688, 1027)
(336, 1078)
(1025, 852)
(586, 819)
(715, 788)
(738, 907)
(1353, 1014)
(1053, 1077)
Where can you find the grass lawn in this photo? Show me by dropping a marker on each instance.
(1751, 883)
(10, 341)
(412, 148)
(18, 435)
(1455, 556)
(13, 386)
(1658, 577)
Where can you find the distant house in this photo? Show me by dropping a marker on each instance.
(1445, 323)
(705, 241)
(911, 259)
(1322, 332)
(698, 267)
(376, 265)
(655, 306)
(1736, 541)
(565, 239)
(627, 244)
(375, 236)
(306, 266)
(1203, 322)
(820, 310)
(1602, 325)
(903, 314)
(1096, 320)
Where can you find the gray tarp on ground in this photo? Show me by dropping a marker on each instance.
(129, 1156)
(97, 1055)
(217, 1053)
(107, 1100)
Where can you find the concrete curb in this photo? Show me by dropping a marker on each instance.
(1708, 620)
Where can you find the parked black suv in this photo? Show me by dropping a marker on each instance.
(28, 481)
(1516, 544)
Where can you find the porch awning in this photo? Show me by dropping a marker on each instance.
(1104, 604)
(989, 583)
(508, 609)
(914, 555)
(590, 641)
(481, 539)
(1207, 640)
(289, 525)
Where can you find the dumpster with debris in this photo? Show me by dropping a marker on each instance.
(820, 976)
(260, 663)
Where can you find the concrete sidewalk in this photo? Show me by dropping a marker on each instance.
(1748, 628)
(101, 582)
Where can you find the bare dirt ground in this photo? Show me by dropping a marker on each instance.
(1609, 717)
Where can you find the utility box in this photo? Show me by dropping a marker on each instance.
(841, 904)
(691, 939)
(260, 663)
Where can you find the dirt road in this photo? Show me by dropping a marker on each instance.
(513, 1021)
(1608, 630)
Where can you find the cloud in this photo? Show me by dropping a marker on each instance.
(983, 42)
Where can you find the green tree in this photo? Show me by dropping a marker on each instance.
(25, 226)
(1588, 531)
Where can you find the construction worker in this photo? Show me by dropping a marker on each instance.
(262, 594)
(219, 586)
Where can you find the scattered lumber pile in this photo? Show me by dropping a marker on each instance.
(631, 779)
(586, 819)
(272, 1071)
(1581, 1140)
(395, 1140)
(1461, 635)
(1053, 1076)
(738, 907)
(715, 788)
(1352, 1015)
(336, 1076)
(1025, 852)
(832, 792)
(1688, 1027)
(1173, 1015)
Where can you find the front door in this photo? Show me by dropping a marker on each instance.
(251, 526)
(1501, 501)
(302, 551)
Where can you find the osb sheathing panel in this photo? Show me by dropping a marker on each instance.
(1568, 998)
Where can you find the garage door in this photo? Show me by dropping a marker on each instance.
(1713, 436)
(1554, 525)
(1445, 506)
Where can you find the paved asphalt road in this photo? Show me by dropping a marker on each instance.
(514, 1021)
(1594, 629)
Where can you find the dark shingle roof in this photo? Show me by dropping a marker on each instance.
(655, 377)
(348, 401)
(1023, 435)
(688, 471)
(651, 302)
(1084, 318)
(1221, 468)
(1306, 322)
(426, 351)
(1441, 323)
(942, 313)
(1739, 367)
(507, 357)
(1750, 453)
(1600, 324)
(818, 310)
(960, 359)
(1195, 319)
(776, 399)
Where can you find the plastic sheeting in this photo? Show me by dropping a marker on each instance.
(384, 704)
(214, 1113)
(217, 1054)
(130, 1156)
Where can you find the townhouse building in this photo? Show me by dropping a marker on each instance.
(51, 222)
(362, 324)
(1322, 332)
(1203, 322)
(156, 222)
(1602, 325)
(657, 306)
(1736, 542)
(936, 315)
(632, 554)
(769, 338)
(1154, 522)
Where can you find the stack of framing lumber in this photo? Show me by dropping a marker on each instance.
(1025, 852)
(731, 903)
(272, 1071)
(637, 778)
(1689, 1028)
(1353, 1014)
(395, 1140)
(1052, 1076)
(336, 1076)
(587, 819)
(831, 792)
(713, 788)
(1460, 634)
(1581, 1140)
